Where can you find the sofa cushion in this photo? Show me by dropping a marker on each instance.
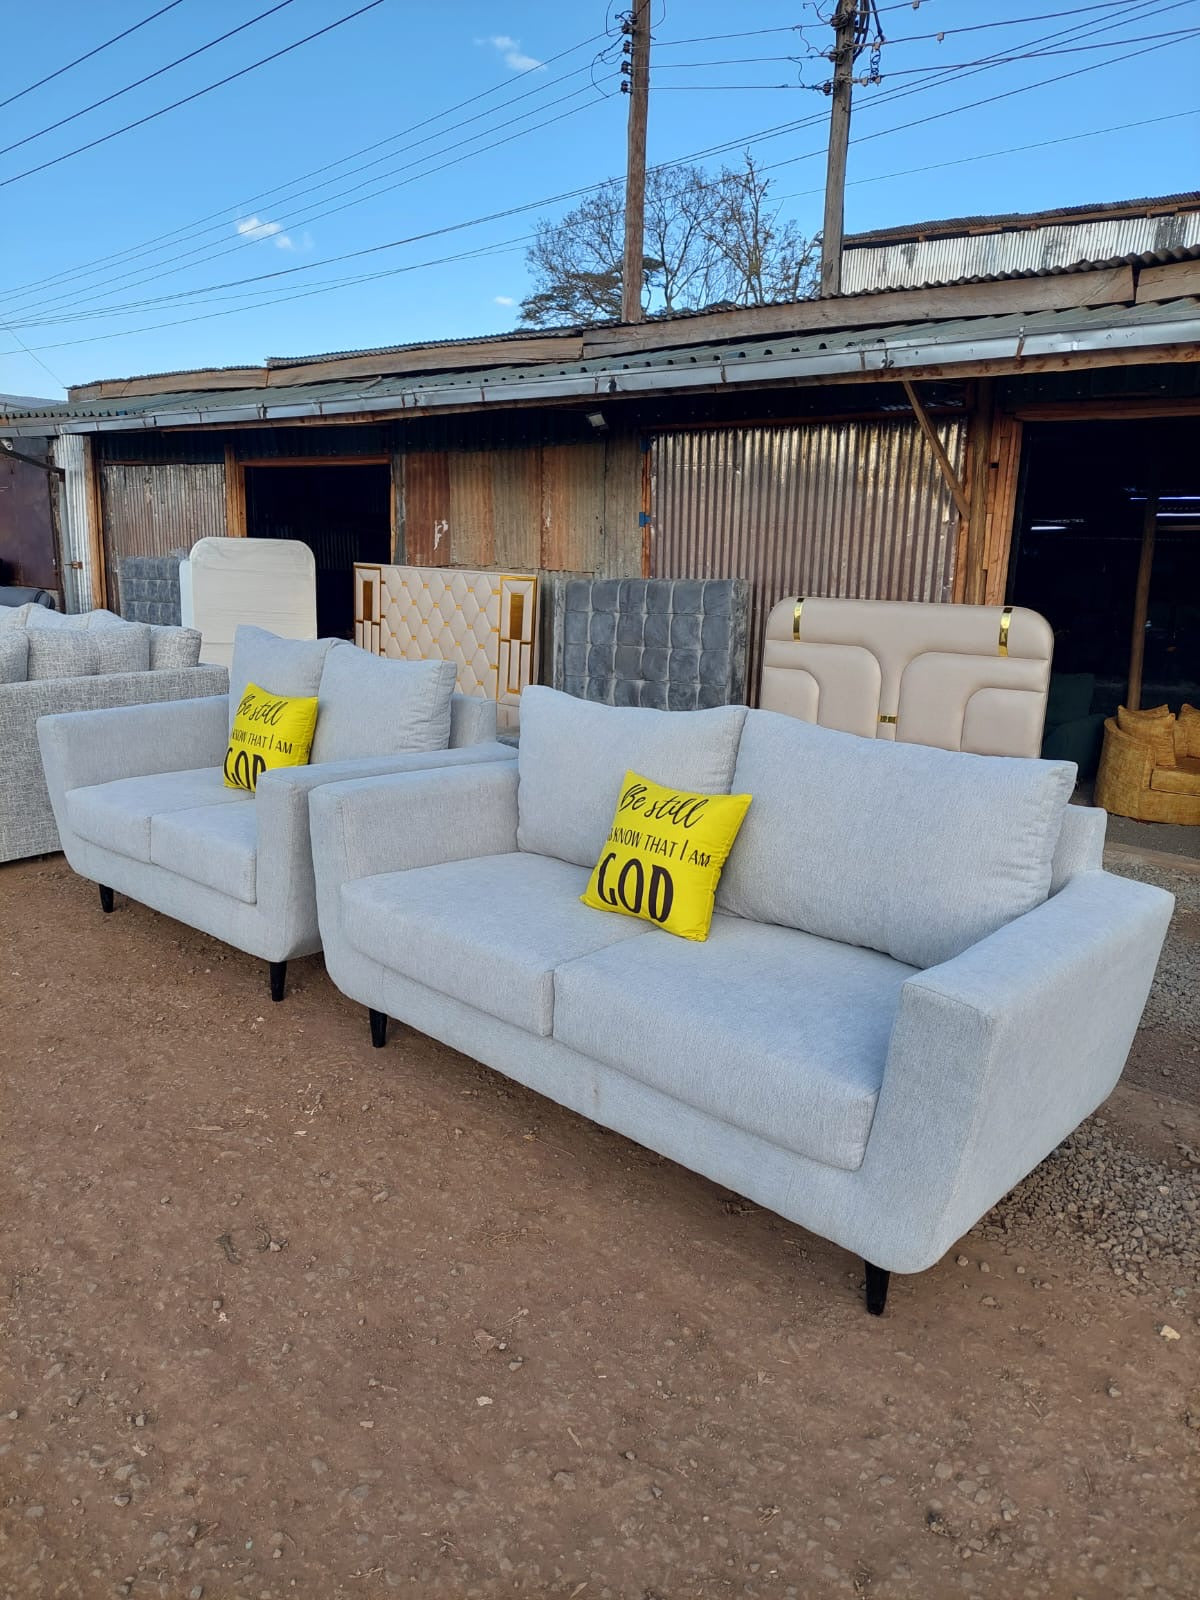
(174, 647)
(777, 1032)
(60, 653)
(117, 815)
(123, 648)
(373, 707)
(915, 851)
(14, 656)
(1154, 728)
(281, 666)
(1182, 778)
(573, 756)
(489, 931)
(213, 845)
(40, 619)
(17, 617)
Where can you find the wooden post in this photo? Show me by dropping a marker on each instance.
(845, 21)
(979, 439)
(632, 262)
(1141, 594)
(235, 495)
(953, 483)
(95, 520)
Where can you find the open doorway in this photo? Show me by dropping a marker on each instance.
(342, 511)
(1103, 505)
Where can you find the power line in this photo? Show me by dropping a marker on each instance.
(196, 95)
(87, 56)
(194, 228)
(138, 82)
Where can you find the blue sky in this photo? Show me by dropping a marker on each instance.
(261, 180)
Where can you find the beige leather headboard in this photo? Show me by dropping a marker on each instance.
(959, 677)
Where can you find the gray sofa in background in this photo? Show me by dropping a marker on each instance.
(51, 662)
(142, 805)
(674, 644)
(917, 983)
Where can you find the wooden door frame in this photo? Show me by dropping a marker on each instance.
(235, 482)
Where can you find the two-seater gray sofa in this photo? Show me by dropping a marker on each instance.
(917, 983)
(142, 806)
(51, 661)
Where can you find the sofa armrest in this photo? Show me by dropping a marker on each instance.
(282, 802)
(389, 824)
(122, 740)
(472, 720)
(997, 1055)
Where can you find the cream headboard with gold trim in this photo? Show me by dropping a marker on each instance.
(959, 677)
(486, 622)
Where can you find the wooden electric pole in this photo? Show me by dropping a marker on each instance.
(845, 28)
(632, 270)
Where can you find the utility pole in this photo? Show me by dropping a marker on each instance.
(845, 50)
(637, 26)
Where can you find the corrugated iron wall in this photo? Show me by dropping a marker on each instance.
(842, 508)
(77, 574)
(556, 507)
(150, 510)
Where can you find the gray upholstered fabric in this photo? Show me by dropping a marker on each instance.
(125, 648)
(674, 644)
(573, 756)
(118, 815)
(174, 647)
(489, 931)
(149, 588)
(215, 845)
(14, 617)
(900, 847)
(14, 656)
(774, 1031)
(99, 620)
(60, 653)
(994, 1058)
(39, 619)
(472, 720)
(281, 666)
(27, 825)
(1080, 846)
(373, 707)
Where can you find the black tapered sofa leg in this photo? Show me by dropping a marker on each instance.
(877, 1288)
(278, 979)
(106, 898)
(379, 1024)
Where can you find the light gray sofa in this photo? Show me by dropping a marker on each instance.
(917, 983)
(143, 808)
(52, 662)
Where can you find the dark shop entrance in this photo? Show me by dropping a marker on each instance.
(342, 511)
(1107, 547)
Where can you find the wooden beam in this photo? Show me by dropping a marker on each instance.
(1129, 409)
(953, 481)
(979, 433)
(1141, 594)
(95, 521)
(169, 383)
(537, 348)
(235, 495)
(1168, 282)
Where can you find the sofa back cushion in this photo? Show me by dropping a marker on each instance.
(370, 706)
(124, 648)
(904, 848)
(573, 756)
(13, 618)
(60, 653)
(280, 666)
(173, 648)
(14, 655)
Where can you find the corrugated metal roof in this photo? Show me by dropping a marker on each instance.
(1039, 252)
(869, 352)
(1189, 200)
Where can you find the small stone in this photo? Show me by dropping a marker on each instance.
(122, 1499)
(988, 1300)
(378, 1199)
(1020, 1272)
(139, 1420)
(196, 1592)
(1166, 1331)
(483, 1400)
(983, 1267)
(1113, 1392)
(35, 1511)
(565, 1480)
(961, 1261)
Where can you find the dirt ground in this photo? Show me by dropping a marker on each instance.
(288, 1316)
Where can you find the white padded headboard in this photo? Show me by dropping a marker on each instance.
(959, 677)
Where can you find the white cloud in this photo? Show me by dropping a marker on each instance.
(510, 51)
(504, 300)
(260, 228)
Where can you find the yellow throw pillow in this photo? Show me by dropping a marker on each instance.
(270, 730)
(1155, 728)
(664, 855)
(1187, 731)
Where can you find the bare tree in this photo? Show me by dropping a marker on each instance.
(709, 239)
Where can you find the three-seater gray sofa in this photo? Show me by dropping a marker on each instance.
(917, 983)
(142, 806)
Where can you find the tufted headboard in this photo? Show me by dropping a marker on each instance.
(958, 677)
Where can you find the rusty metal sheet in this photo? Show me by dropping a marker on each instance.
(152, 509)
(426, 541)
(841, 509)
